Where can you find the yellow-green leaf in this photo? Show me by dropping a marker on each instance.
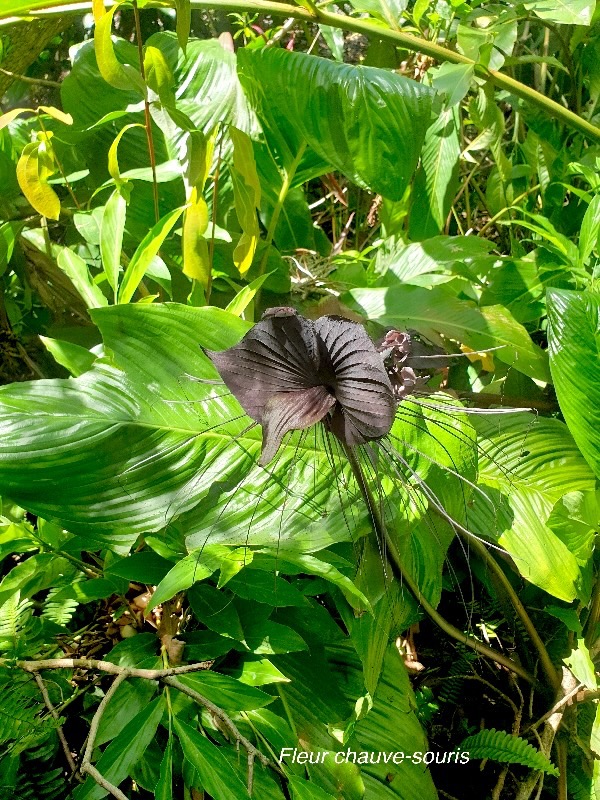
(198, 160)
(7, 118)
(111, 237)
(246, 295)
(195, 248)
(141, 259)
(56, 113)
(113, 161)
(35, 188)
(246, 193)
(158, 75)
(121, 76)
(184, 22)
(76, 269)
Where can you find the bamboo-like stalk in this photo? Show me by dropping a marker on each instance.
(318, 15)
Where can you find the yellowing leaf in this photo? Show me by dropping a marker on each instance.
(246, 193)
(487, 359)
(198, 160)
(113, 161)
(121, 76)
(7, 118)
(32, 176)
(98, 9)
(195, 248)
(56, 113)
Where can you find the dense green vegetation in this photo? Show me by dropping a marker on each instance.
(175, 615)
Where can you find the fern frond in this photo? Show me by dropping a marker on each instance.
(37, 779)
(24, 720)
(15, 616)
(60, 612)
(508, 749)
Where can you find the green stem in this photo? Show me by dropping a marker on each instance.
(404, 576)
(283, 192)
(147, 116)
(493, 566)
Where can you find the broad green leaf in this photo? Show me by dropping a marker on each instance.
(370, 636)
(145, 253)
(387, 11)
(158, 75)
(131, 697)
(577, 12)
(226, 692)
(438, 309)
(195, 567)
(529, 464)
(256, 671)
(590, 231)
(306, 790)
(184, 22)
(436, 181)
(454, 80)
(392, 725)
(32, 178)
(77, 271)
(291, 562)
(375, 135)
(90, 590)
(196, 262)
(111, 237)
(246, 193)
(582, 666)
(252, 584)
(164, 787)
(123, 752)
(145, 567)
(266, 637)
(216, 775)
(574, 347)
(136, 445)
(216, 610)
(71, 356)
(118, 75)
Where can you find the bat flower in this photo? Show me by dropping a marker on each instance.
(289, 373)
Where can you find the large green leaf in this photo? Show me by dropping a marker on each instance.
(529, 464)
(574, 346)
(125, 751)
(368, 123)
(214, 772)
(437, 179)
(134, 445)
(440, 310)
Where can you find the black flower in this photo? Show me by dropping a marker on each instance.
(289, 372)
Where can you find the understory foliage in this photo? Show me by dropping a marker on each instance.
(370, 616)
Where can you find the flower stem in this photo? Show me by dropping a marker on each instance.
(404, 576)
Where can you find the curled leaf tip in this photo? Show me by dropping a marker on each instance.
(289, 372)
